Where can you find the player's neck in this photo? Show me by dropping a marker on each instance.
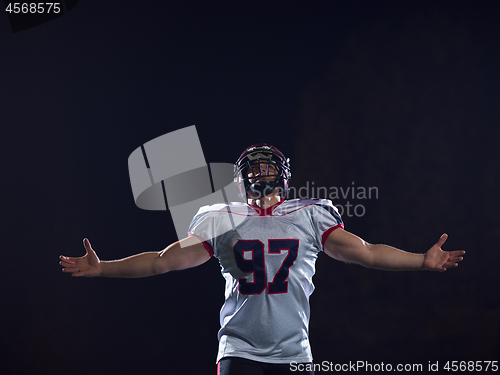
(267, 201)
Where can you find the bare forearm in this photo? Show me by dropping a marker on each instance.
(186, 253)
(386, 257)
(139, 265)
(347, 247)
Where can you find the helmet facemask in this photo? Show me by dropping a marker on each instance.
(260, 170)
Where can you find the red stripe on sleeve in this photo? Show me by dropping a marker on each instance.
(327, 233)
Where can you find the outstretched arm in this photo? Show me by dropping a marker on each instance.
(347, 247)
(186, 253)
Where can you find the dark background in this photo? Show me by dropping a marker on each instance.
(402, 96)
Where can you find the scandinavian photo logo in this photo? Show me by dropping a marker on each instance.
(351, 197)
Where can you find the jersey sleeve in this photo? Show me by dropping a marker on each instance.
(202, 226)
(326, 219)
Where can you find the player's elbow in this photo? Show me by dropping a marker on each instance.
(370, 258)
(366, 256)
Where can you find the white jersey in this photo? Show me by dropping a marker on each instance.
(267, 258)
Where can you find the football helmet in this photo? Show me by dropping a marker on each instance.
(264, 161)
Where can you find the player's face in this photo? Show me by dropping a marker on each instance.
(262, 172)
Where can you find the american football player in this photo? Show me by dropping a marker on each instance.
(267, 247)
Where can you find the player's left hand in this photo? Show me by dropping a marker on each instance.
(437, 259)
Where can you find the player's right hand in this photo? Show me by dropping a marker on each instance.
(87, 265)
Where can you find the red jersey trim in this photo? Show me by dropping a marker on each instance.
(327, 233)
(206, 244)
(266, 211)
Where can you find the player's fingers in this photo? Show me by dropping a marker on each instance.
(70, 269)
(67, 264)
(456, 253)
(442, 240)
(67, 259)
(87, 245)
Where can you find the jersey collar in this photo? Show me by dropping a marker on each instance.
(266, 211)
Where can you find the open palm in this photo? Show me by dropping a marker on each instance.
(87, 265)
(437, 259)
